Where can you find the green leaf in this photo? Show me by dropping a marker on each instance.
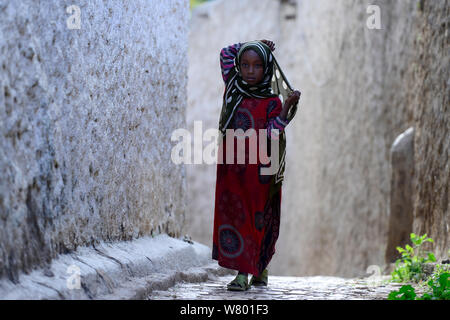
(443, 280)
(414, 238)
(393, 295)
(400, 249)
(431, 257)
(426, 296)
(437, 291)
(446, 295)
(408, 292)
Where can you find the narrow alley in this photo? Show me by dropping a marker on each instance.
(284, 288)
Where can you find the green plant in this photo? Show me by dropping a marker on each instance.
(406, 292)
(410, 266)
(439, 289)
(438, 270)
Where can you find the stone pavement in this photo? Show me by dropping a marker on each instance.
(284, 288)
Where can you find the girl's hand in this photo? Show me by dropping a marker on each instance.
(292, 99)
(270, 44)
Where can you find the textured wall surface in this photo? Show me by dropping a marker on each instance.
(85, 122)
(401, 201)
(429, 92)
(360, 89)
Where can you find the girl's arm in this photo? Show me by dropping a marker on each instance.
(227, 56)
(274, 119)
(292, 100)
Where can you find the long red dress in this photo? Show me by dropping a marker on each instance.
(246, 225)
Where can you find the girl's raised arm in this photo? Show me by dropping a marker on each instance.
(227, 56)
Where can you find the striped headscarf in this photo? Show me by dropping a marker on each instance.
(274, 84)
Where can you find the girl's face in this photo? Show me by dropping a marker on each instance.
(252, 67)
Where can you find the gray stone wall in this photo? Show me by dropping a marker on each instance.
(428, 90)
(85, 122)
(361, 88)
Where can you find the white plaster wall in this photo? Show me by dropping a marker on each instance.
(85, 122)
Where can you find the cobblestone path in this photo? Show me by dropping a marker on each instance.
(285, 288)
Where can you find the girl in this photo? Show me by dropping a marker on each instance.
(247, 202)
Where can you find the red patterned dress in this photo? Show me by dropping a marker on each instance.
(246, 224)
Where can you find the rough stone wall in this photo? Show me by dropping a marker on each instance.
(360, 88)
(428, 93)
(353, 108)
(85, 122)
